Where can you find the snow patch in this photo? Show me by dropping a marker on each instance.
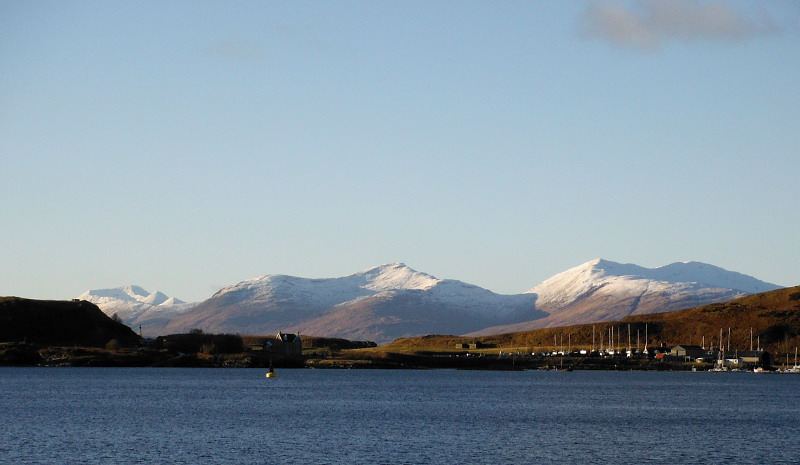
(629, 279)
(389, 279)
(135, 306)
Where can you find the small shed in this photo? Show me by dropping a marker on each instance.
(470, 345)
(755, 358)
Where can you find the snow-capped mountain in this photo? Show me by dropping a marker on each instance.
(391, 301)
(602, 290)
(138, 307)
(379, 304)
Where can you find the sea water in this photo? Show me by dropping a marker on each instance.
(237, 416)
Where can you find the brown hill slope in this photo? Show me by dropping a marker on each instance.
(773, 317)
(59, 323)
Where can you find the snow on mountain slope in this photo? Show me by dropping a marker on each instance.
(137, 307)
(390, 301)
(681, 277)
(321, 293)
(392, 276)
(271, 303)
(569, 285)
(324, 293)
(602, 290)
(156, 298)
(124, 294)
(713, 276)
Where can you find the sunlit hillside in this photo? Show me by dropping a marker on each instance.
(773, 319)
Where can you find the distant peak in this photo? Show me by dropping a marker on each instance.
(600, 264)
(388, 266)
(594, 263)
(134, 290)
(156, 298)
(396, 276)
(128, 293)
(677, 272)
(690, 264)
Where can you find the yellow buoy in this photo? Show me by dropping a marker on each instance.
(271, 373)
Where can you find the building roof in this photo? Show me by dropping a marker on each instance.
(751, 353)
(287, 337)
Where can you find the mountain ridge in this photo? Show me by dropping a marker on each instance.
(393, 300)
(354, 302)
(137, 307)
(602, 290)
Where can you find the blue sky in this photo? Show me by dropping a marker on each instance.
(187, 145)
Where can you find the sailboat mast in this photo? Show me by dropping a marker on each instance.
(728, 345)
(645, 337)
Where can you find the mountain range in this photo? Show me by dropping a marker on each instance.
(390, 301)
(602, 290)
(137, 307)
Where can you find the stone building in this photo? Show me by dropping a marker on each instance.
(285, 345)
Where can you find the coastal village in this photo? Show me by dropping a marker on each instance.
(721, 358)
(288, 349)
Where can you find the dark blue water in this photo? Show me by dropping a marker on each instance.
(236, 416)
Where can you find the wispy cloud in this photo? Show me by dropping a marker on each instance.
(648, 24)
(238, 49)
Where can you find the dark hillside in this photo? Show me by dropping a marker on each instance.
(60, 323)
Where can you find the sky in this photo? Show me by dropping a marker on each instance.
(184, 146)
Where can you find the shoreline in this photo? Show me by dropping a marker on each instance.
(31, 355)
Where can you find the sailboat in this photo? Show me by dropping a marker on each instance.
(720, 365)
(796, 367)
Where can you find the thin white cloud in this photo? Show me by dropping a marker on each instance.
(647, 24)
